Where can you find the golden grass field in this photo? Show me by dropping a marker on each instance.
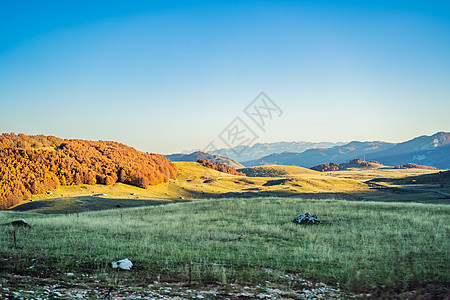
(197, 182)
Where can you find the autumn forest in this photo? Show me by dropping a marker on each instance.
(32, 165)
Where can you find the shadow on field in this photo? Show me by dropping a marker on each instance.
(377, 193)
(84, 203)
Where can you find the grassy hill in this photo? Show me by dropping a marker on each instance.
(192, 183)
(380, 248)
(196, 182)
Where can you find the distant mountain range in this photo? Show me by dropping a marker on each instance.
(194, 156)
(431, 151)
(313, 157)
(259, 150)
(424, 150)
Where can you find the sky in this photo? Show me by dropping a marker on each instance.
(167, 76)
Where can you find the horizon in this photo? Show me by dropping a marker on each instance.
(166, 77)
(186, 151)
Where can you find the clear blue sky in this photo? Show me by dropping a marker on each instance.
(164, 76)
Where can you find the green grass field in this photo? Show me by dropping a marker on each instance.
(382, 248)
(382, 241)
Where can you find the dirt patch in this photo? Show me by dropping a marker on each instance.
(27, 287)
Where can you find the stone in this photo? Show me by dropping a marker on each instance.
(263, 296)
(307, 218)
(124, 264)
(20, 222)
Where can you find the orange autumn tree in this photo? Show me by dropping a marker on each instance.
(35, 164)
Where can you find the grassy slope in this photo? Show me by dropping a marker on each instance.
(361, 246)
(194, 182)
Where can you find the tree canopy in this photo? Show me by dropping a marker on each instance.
(35, 164)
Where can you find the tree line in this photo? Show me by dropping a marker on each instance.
(32, 165)
(220, 167)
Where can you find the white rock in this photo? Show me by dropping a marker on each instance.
(124, 264)
(70, 274)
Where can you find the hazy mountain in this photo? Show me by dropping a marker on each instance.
(313, 157)
(424, 150)
(194, 156)
(259, 150)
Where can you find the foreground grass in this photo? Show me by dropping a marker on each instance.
(377, 247)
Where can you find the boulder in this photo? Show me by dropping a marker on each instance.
(20, 222)
(307, 218)
(124, 264)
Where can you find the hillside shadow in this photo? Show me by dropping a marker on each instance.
(377, 194)
(85, 203)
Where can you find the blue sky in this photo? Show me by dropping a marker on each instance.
(164, 76)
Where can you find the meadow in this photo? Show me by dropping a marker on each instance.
(381, 248)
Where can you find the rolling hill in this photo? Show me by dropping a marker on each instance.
(193, 182)
(194, 156)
